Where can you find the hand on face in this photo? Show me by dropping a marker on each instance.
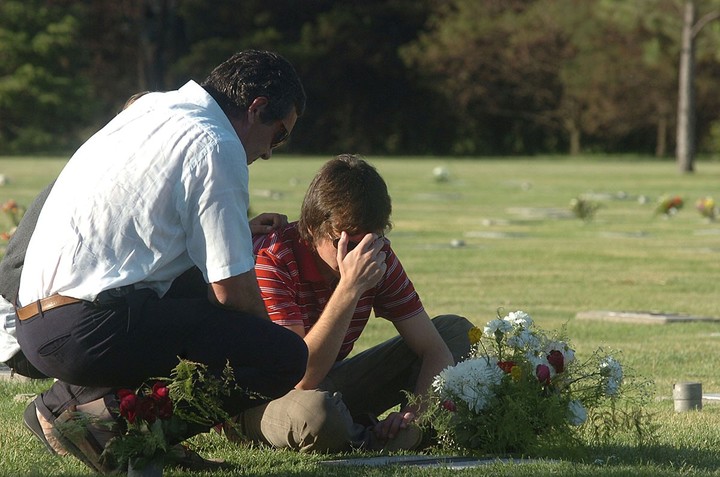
(364, 264)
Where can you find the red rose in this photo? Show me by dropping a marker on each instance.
(146, 409)
(449, 405)
(543, 373)
(557, 360)
(161, 396)
(128, 404)
(160, 391)
(506, 366)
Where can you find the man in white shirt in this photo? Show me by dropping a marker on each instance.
(142, 252)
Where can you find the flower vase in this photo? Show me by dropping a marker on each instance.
(154, 468)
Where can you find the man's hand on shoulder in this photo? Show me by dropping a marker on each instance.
(267, 222)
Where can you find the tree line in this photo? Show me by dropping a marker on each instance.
(420, 77)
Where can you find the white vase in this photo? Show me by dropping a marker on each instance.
(153, 468)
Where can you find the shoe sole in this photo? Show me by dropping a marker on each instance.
(82, 446)
(32, 424)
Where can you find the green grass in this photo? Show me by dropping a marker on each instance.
(521, 251)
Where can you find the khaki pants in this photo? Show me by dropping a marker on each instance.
(326, 419)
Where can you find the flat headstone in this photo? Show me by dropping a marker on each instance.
(7, 375)
(642, 317)
(446, 462)
(541, 212)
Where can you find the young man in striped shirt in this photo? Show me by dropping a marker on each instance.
(321, 277)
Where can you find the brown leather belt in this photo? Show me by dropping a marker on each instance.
(46, 304)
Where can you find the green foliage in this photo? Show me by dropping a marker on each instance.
(42, 97)
(198, 395)
(383, 76)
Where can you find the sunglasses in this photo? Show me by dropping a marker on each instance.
(280, 137)
(350, 245)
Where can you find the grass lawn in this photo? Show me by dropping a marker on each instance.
(498, 233)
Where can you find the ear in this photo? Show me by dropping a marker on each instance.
(256, 107)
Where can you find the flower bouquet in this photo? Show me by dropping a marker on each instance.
(15, 213)
(157, 415)
(707, 208)
(520, 385)
(153, 419)
(669, 205)
(583, 208)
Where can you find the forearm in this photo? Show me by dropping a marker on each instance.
(239, 293)
(431, 366)
(327, 335)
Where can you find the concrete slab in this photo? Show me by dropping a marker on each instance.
(642, 317)
(446, 462)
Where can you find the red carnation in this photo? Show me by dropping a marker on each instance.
(506, 366)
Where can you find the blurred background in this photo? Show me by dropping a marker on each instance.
(391, 77)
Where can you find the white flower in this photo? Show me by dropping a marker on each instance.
(612, 371)
(519, 319)
(524, 339)
(577, 413)
(497, 325)
(470, 381)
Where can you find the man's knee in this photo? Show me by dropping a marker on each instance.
(453, 329)
(302, 420)
(323, 423)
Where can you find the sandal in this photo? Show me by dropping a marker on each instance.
(73, 433)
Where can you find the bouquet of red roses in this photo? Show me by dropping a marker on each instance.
(157, 414)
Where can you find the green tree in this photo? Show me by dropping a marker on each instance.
(43, 95)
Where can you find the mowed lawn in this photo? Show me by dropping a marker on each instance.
(498, 233)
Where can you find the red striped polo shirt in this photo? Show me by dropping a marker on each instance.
(296, 294)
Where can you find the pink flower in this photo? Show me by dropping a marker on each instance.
(543, 374)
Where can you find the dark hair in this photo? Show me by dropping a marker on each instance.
(347, 194)
(250, 74)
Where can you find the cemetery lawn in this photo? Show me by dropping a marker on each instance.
(498, 233)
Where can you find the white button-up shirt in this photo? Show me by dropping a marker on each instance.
(162, 187)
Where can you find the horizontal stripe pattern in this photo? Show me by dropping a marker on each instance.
(296, 297)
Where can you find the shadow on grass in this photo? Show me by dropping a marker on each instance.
(657, 455)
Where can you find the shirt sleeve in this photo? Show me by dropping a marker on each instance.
(275, 270)
(216, 197)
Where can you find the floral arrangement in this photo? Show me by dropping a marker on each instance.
(520, 385)
(707, 208)
(583, 208)
(669, 205)
(15, 213)
(157, 414)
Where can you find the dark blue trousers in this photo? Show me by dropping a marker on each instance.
(94, 350)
